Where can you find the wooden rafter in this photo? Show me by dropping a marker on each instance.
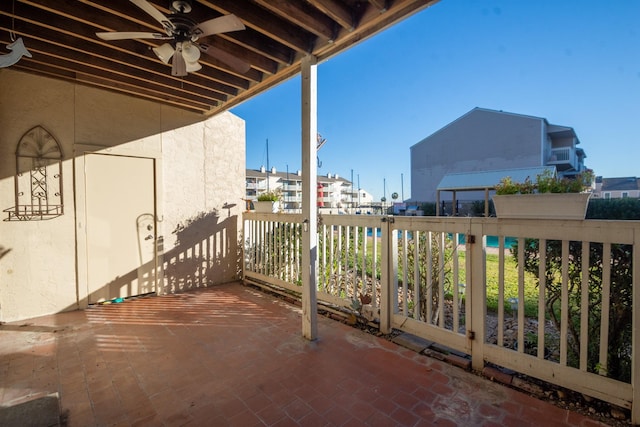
(278, 34)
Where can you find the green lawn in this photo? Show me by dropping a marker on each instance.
(510, 286)
(510, 281)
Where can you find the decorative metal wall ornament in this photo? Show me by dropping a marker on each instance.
(38, 179)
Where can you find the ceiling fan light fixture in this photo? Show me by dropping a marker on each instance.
(164, 52)
(193, 66)
(190, 52)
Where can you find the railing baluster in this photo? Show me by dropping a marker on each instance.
(584, 308)
(521, 242)
(604, 316)
(364, 264)
(405, 275)
(356, 230)
(332, 243)
(501, 292)
(322, 264)
(416, 275)
(564, 304)
(441, 279)
(542, 289)
(347, 277)
(393, 236)
(429, 300)
(375, 283)
(456, 278)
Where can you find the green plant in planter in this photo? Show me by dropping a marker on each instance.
(546, 182)
(270, 196)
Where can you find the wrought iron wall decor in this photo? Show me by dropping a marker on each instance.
(38, 179)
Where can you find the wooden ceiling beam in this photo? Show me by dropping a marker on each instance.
(61, 35)
(217, 71)
(256, 60)
(337, 11)
(381, 5)
(264, 22)
(262, 45)
(303, 15)
(78, 60)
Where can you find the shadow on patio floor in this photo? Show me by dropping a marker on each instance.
(232, 355)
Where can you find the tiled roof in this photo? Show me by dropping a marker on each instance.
(620, 184)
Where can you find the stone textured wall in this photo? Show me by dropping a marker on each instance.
(201, 163)
(203, 175)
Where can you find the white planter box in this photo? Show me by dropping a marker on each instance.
(267, 207)
(543, 206)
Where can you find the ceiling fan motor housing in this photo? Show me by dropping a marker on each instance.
(181, 6)
(183, 26)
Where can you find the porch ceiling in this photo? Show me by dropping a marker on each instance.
(61, 37)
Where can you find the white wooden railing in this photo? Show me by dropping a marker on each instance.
(455, 281)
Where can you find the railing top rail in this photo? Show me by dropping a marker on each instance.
(275, 217)
(604, 231)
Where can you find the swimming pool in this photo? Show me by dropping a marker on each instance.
(492, 241)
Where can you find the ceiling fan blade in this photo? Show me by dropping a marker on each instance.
(218, 25)
(178, 65)
(116, 35)
(235, 63)
(155, 13)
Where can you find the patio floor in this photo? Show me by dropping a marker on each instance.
(232, 355)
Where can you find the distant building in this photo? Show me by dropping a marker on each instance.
(335, 194)
(617, 188)
(487, 140)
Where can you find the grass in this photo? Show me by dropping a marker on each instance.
(510, 286)
(510, 281)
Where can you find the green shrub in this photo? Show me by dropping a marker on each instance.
(621, 209)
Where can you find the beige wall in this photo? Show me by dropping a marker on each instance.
(200, 168)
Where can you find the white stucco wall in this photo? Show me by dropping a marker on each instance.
(202, 168)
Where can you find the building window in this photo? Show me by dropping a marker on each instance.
(607, 195)
(625, 194)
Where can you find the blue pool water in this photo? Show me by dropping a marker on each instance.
(492, 241)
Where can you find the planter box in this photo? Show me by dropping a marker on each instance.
(267, 207)
(543, 206)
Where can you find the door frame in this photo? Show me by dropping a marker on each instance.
(80, 151)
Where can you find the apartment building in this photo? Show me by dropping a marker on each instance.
(486, 140)
(335, 194)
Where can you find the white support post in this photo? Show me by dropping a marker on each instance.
(309, 198)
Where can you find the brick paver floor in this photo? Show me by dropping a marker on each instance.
(232, 355)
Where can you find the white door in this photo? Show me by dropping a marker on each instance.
(120, 227)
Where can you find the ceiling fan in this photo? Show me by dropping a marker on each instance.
(183, 50)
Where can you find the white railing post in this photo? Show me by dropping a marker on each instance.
(476, 293)
(309, 202)
(387, 270)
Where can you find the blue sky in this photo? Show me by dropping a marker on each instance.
(575, 63)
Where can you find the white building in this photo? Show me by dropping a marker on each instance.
(335, 194)
(617, 188)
